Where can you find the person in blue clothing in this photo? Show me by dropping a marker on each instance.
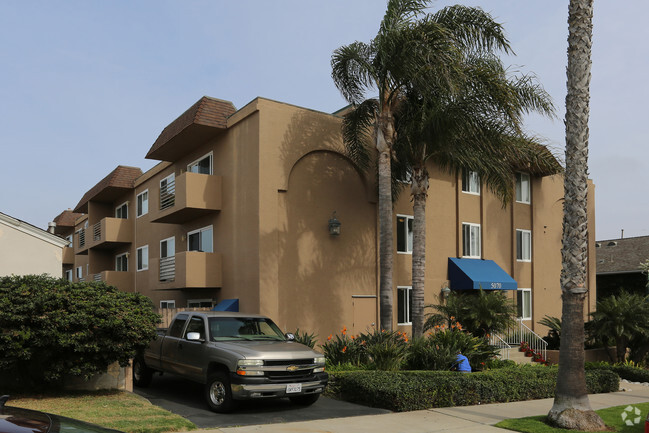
(462, 363)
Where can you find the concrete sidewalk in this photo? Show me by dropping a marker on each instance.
(469, 419)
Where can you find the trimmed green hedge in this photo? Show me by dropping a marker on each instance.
(628, 372)
(415, 390)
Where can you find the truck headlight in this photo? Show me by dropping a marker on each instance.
(250, 367)
(320, 364)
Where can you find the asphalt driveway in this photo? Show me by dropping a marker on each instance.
(185, 398)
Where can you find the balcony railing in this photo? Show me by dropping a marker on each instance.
(81, 238)
(168, 268)
(522, 333)
(187, 197)
(111, 233)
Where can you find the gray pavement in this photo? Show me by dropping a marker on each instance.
(469, 419)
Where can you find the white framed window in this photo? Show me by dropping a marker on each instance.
(202, 165)
(470, 182)
(524, 303)
(201, 240)
(142, 203)
(68, 274)
(168, 247)
(404, 305)
(70, 239)
(121, 262)
(167, 304)
(143, 258)
(79, 272)
(523, 245)
(200, 303)
(471, 240)
(404, 234)
(523, 190)
(121, 211)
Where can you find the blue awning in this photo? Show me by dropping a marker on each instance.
(468, 274)
(227, 305)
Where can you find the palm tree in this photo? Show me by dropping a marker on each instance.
(571, 408)
(410, 51)
(620, 318)
(475, 127)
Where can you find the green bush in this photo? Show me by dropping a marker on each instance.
(342, 349)
(416, 390)
(625, 371)
(304, 338)
(50, 327)
(384, 350)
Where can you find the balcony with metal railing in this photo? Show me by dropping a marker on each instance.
(121, 279)
(188, 269)
(514, 336)
(68, 256)
(110, 233)
(187, 197)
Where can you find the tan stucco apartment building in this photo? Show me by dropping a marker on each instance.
(239, 208)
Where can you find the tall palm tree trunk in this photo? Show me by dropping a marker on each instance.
(571, 409)
(419, 192)
(384, 140)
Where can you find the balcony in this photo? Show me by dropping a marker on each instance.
(122, 280)
(68, 256)
(187, 197)
(189, 269)
(110, 233)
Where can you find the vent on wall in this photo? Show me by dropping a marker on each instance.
(612, 244)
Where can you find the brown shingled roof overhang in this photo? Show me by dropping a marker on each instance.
(201, 122)
(111, 187)
(65, 219)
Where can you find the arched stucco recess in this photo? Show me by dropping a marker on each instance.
(370, 187)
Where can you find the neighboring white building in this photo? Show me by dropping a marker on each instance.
(26, 249)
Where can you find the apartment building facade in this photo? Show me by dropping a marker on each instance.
(240, 205)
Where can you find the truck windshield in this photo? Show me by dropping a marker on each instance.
(244, 328)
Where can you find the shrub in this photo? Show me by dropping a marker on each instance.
(50, 327)
(625, 371)
(304, 338)
(342, 349)
(416, 390)
(385, 350)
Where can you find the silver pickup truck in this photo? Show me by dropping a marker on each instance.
(236, 356)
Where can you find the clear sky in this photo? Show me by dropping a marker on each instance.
(86, 85)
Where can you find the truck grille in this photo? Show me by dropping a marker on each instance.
(289, 362)
(288, 377)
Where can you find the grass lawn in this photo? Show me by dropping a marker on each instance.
(113, 409)
(612, 416)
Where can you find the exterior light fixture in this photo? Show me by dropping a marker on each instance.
(334, 225)
(445, 290)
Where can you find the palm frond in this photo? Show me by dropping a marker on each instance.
(352, 70)
(358, 127)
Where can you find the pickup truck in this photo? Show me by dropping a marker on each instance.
(236, 356)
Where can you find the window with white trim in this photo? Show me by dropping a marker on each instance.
(142, 203)
(404, 305)
(68, 274)
(523, 189)
(523, 245)
(79, 272)
(404, 233)
(524, 303)
(200, 303)
(470, 182)
(471, 240)
(202, 165)
(121, 262)
(167, 304)
(143, 258)
(70, 239)
(201, 240)
(121, 211)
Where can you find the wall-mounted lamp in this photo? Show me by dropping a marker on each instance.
(334, 225)
(446, 291)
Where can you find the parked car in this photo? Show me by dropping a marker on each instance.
(236, 356)
(18, 420)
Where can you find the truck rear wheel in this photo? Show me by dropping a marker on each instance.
(218, 393)
(304, 400)
(142, 374)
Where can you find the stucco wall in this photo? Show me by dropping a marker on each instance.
(23, 253)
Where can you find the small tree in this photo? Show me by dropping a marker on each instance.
(51, 327)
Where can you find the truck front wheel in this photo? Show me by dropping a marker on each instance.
(142, 374)
(218, 393)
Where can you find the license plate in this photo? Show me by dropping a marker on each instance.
(293, 387)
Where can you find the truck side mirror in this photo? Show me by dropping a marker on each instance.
(194, 336)
(289, 336)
